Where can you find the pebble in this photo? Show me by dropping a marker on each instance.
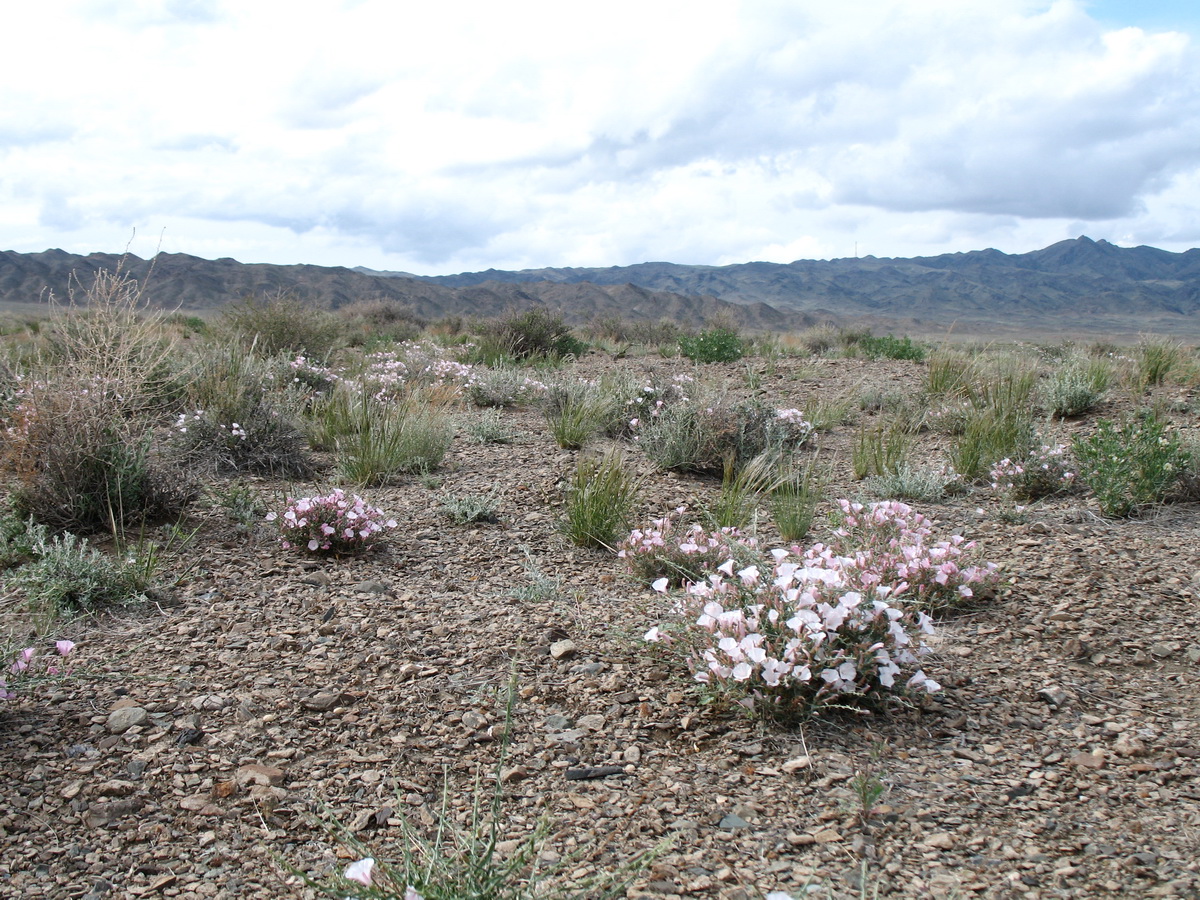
(321, 701)
(564, 649)
(733, 822)
(121, 720)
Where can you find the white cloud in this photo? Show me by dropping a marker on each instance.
(440, 139)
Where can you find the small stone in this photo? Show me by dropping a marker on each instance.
(1054, 695)
(827, 836)
(1128, 745)
(557, 722)
(1085, 760)
(733, 823)
(201, 805)
(474, 721)
(321, 701)
(162, 882)
(321, 579)
(943, 840)
(121, 720)
(632, 754)
(513, 775)
(371, 587)
(1164, 649)
(796, 764)
(258, 774)
(116, 788)
(564, 649)
(594, 722)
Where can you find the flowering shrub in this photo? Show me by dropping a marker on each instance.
(23, 667)
(681, 554)
(799, 637)
(390, 372)
(839, 622)
(331, 524)
(1042, 473)
(889, 544)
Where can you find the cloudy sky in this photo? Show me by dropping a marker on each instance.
(440, 138)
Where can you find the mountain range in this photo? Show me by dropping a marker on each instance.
(1078, 284)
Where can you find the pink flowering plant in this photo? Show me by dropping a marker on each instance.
(681, 553)
(26, 666)
(786, 639)
(332, 524)
(1046, 471)
(890, 544)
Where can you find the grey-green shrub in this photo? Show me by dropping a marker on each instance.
(70, 575)
(282, 323)
(1076, 387)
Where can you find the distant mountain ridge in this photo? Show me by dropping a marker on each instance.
(1081, 284)
(1078, 277)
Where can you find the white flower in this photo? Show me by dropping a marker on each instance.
(360, 871)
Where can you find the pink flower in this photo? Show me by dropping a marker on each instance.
(360, 871)
(64, 647)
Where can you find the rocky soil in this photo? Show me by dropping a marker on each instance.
(203, 737)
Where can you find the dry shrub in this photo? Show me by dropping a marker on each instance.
(371, 321)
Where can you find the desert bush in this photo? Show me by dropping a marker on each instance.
(1074, 388)
(282, 323)
(380, 320)
(70, 575)
(712, 345)
(537, 333)
(908, 482)
(78, 461)
(1131, 465)
(244, 415)
(598, 500)
(703, 435)
(108, 337)
(489, 427)
(889, 346)
(333, 524)
(667, 548)
(818, 339)
(1043, 472)
(19, 536)
(503, 387)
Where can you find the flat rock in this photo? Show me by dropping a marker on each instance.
(121, 720)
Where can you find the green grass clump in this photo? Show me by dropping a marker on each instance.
(1156, 358)
(599, 499)
(881, 449)
(577, 412)
(393, 439)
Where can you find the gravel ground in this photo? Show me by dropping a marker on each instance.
(203, 736)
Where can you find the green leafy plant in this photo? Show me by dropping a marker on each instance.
(537, 333)
(713, 345)
(599, 498)
(1131, 465)
(891, 347)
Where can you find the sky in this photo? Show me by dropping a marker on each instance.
(443, 138)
